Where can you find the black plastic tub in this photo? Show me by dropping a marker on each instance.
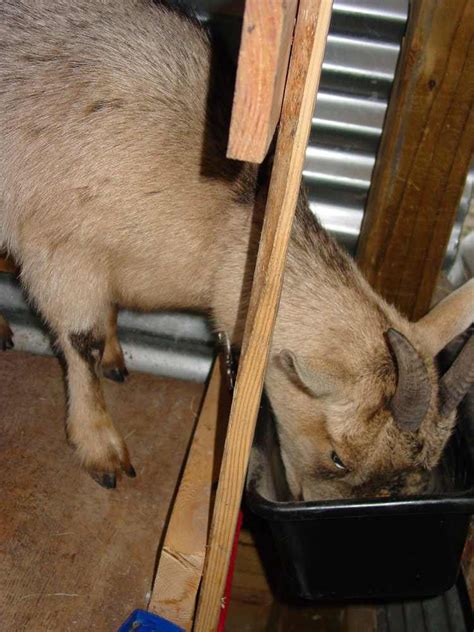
(385, 548)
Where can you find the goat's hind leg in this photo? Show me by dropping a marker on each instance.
(76, 305)
(6, 334)
(98, 445)
(113, 363)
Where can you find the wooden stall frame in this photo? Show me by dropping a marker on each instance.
(305, 65)
(426, 147)
(183, 552)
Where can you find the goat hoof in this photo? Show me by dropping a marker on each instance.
(6, 342)
(130, 471)
(115, 374)
(107, 480)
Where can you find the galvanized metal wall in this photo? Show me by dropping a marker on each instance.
(358, 70)
(359, 65)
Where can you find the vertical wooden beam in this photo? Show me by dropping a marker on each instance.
(426, 147)
(267, 33)
(298, 103)
(182, 556)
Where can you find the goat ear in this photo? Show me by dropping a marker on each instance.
(316, 383)
(448, 318)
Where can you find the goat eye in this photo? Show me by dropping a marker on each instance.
(337, 461)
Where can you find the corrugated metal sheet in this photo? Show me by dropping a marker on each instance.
(361, 55)
(172, 344)
(358, 70)
(359, 66)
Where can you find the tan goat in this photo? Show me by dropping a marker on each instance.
(115, 191)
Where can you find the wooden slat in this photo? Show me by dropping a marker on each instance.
(427, 143)
(182, 556)
(360, 617)
(303, 78)
(263, 61)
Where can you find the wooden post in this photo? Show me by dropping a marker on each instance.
(298, 103)
(423, 160)
(182, 556)
(263, 62)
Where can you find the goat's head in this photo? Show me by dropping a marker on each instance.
(381, 429)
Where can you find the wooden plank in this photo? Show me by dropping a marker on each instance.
(427, 143)
(267, 33)
(182, 556)
(303, 78)
(317, 617)
(360, 617)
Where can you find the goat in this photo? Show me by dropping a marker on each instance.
(115, 191)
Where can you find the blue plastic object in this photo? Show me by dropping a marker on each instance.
(142, 621)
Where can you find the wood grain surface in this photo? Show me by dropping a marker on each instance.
(183, 553)
(426, 147)
(267, 33)
(300, 92)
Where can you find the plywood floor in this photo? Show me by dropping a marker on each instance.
(74, 556)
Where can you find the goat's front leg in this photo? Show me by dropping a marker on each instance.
(113, 363)
(99, 446)
(6, 334)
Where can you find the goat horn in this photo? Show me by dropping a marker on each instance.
(458, 378)
(411, 399)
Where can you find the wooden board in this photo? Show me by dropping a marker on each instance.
(267, 33)
(182, 556)
(75, 556)
(426, 147)
(300, 92)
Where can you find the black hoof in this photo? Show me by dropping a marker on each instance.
(130, 471)
(109, 481)
(117, 375)
(6, 343)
